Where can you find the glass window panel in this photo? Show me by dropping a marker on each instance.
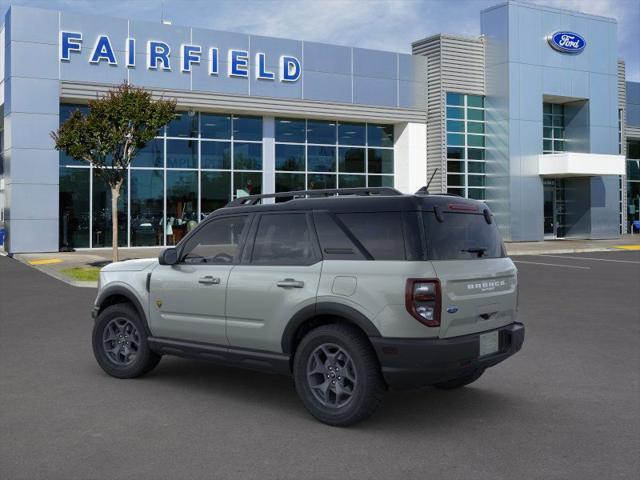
(247, 183)
(247, 156)
(547, 120)
(455, 180)
(633, 170)
(455, 126)
(215, 155)
(455, 113)
(475, 101)
(184, 124)
(380, 161)
(66, 109)
(633, 149)
(321, 159)
(546, 108)
(351, 160)
(290, 130)
(67, 160)
(547, 132)
(215, 191)
(476, 167)
(380, 180)
(215, 126)
(147, 192)
(558, 145)
(152, 155)
(317, 181)
(283, 240)
(182, 154)
(455, 167)
(380, 233)
(290, 157)
(74, 207)
(455, 139)
(547, 145)
(558, 133)
(476, 180)
(351, 133)
(455, 152)
(558, 121)
(217, 242)
(477, 115)
(247, 128)
(351, 181)
(557, 108)
(475, 153)
(475, 140)
(287, 182)
(476, 193)
(101, 215)
(455, 98)
(182, 204)
(456, 191)
(475, 127)
(320, 131)
(379, 135)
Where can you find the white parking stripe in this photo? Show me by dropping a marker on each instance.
(552, 264)
(591, 258)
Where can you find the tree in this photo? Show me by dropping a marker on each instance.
(117, 126)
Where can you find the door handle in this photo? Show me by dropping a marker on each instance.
(209, 280)
(290, 283)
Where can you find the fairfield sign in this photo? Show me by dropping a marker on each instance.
(159, 56)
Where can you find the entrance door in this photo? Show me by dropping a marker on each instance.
(555, 208)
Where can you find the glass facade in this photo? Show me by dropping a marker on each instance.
(197, 164)
(552, 128)
(465, 130)
(316, 154)
(633, 182)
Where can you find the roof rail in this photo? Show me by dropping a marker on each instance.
(254, 199)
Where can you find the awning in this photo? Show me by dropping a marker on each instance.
(573, 164)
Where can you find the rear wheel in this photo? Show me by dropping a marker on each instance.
(460, 381)
(120, 343)
(337, 375)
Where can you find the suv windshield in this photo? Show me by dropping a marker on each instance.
(461, 236)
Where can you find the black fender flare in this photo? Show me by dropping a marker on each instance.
(350, 314)
(131, 297)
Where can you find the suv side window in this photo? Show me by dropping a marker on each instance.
(334, 240)
(284, 239)
(380, 233)
(217, 242)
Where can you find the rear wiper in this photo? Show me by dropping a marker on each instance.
(479, 251)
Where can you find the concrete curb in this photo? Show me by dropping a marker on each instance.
(56, 275)
(564, 250)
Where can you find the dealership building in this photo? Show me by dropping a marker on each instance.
(534, 117)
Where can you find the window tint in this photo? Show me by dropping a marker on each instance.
(462, 236)
(283, 240)
(379, 232)
(215, 243)
(334, 242)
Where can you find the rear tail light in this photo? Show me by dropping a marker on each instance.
(422, 299)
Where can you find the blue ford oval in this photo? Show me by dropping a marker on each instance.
(567, 42)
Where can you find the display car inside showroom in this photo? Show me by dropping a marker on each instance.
(534, 117)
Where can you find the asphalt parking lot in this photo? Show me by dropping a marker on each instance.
(566, 407)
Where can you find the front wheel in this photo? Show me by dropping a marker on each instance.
(337, 375)
(120, 343)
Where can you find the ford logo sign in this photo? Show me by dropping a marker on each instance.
(567, 42)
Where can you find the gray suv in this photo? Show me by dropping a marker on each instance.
(348, 291)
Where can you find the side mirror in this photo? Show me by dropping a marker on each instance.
(169, 256)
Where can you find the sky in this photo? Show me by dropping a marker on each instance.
(378, 24)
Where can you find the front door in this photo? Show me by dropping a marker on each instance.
(555, 208)
(188, 300)
(277, 278)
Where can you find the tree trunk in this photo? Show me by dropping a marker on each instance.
(115, 194)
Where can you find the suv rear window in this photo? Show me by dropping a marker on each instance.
(461, 236)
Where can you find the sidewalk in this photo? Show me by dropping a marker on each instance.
(56, 264)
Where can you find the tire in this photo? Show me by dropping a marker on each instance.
(460, 381)
(119, 342)
(357, 389)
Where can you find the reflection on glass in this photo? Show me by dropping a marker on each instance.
(151, 155)
(215, 155)
(380, 161)
(380, 180)
(321, 159)
(215, 126)
(290, 157)
(182, 153)
(455, 98)
(101, 216)
(74, 207)
(290, 130)
(184, 124)
(316, 181)
(247, 183)
(351, 160)
(247, 156)
(66, 109)
(182, 205)
(320, 131)
(351, 181)
(286, 182)
(351, 133)
(147, 187)
(215, 189)
(379, 135)
(247, 128)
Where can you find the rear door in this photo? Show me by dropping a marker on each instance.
(278, 276)
(478, 282)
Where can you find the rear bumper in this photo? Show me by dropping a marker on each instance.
(418, 362)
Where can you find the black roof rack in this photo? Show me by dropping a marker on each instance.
(254, 199)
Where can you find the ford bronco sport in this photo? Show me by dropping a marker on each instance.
(349, 291)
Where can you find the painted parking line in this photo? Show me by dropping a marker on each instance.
(591, 258)
(627, 247)
(47, 261)
(552, 264)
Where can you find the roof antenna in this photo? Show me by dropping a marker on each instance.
(425, 190)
